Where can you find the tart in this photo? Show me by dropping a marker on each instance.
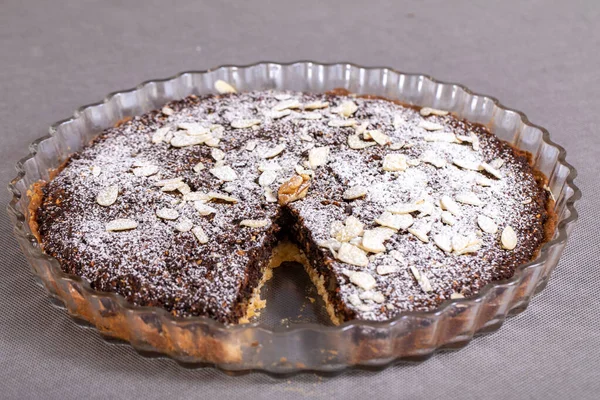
(390, 208)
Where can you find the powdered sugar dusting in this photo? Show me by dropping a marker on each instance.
(238, 139)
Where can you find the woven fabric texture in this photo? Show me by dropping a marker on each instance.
(536, 56)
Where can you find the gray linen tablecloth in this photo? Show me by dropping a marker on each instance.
(537, 56)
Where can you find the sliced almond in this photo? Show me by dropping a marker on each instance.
(419, 234)
(167, 213)
(398, 121)
(274, 152)
(483, 181)
(224, 173)
(270, 196)
(217, 154)
(147, 170)
(318, 156)
(200, 234)
(121, 224)
(491, 170)
(183, 140)
(160, 134)
(255, 223)
(381, 138)
(204, 209)
(363, 280)
(508, 238)
(223, 87)
(373, 239)
(497, 163)
(244, 123)
(193, 128)
(430, 126)
(167, 110)
(341, 123)
(394, 162)
(315, 105)
(184, 225)
(346, 109)
(96, 171)
(387, 269)
(354, 192)
(422, 280)
(466, 164)
(287, 105)
(222, 197)
(311, 116)
(450, 205)
(251, 145)
(448, 218)
(469, 198)
(196, 196)
(165, 182)
(427, 111)
(352, 255)
(402, 208)
(355, 143)
(397, 222)
(352, 228)
(267, 177)
(487, 224)
(108, 195)
(437, 162)
(443, 242)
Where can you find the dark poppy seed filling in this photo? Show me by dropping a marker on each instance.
(395, 208)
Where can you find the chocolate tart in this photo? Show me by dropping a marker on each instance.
(419, 226)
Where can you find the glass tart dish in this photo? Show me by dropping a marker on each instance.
(370, 339)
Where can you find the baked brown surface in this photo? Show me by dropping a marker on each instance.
(162, 262)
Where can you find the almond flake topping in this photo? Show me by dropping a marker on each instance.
(456, 295)
(487, 224)
(497, 163)
(421, 279)
(373, 239)
(251, 145)
(352, 255)
(318, 156)
(255, 223)
(267, 177)
(183, 140)
(315, 105)
(465, 164)
(108, 195)
(200, 234)
(198, 167)
(167, 213)
(287, 105)
(491, 170)
(381, 138)
(96, 171)
(274, 152)
(167, 110)
(217, 154)
(443, 242)
(147, 170)
(397, 222)
(448, 218)
(270, 196)
(121, 224)
(355, 143)
(427, 111)
(351, 229)
(223, 197)
(193, 128)
(419, 234)
(184, 225)
(311, 115)
(483, 181)
(223, 87)
(354, 192)
(363, 280)
(160, 134)
(469, 198)
(244, 123)
(341, 123)
(387, 269)
(430, 126)
(450, 205)
(394, 162)
(346, 109)
(402, 208)
(171, 181)
(224, 173)
(508, 238)
(204, 209)
(432, 159)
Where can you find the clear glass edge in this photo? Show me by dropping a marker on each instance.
(27, 240)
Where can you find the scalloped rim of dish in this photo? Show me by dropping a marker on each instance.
(560, 237)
